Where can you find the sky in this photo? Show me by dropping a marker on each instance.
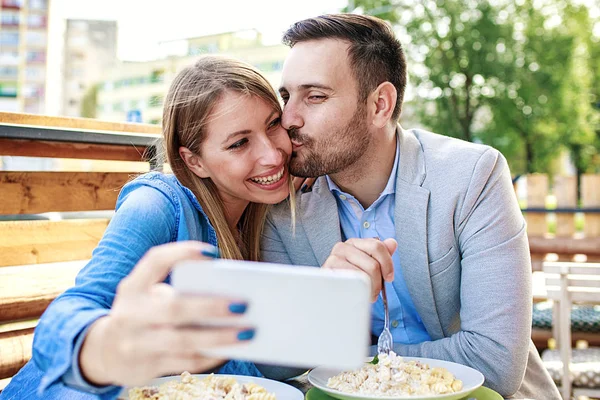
(144, 23)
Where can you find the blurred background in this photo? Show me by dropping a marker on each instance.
(522, 76)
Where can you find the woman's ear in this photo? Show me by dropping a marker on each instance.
(384, 99)
(192, 161)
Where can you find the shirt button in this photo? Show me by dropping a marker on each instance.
(394, 324)
(343, 197)
(366, 224)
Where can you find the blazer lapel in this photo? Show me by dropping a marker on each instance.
(320, 220)
(410, 218)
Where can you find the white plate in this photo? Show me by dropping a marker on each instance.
(471, 378)
(281, 390)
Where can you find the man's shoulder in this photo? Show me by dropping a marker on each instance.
(446, 145)
(451, 155)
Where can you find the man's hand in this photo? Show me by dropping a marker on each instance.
(372, 256)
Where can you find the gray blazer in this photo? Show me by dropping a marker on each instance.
(463, 252)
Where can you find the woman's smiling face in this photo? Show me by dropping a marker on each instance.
(245, 151)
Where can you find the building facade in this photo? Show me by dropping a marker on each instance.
(135, 91)
(23, 55)
(90, 49)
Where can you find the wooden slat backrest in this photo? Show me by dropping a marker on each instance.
(568, 283)
(44, 148)
(16, 351)
(40, 192)
(36, 256)
(36, 242)
(582, 281)
(74, 123)
(28, 289)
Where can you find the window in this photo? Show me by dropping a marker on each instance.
(9, 72)
(33, 91)
(35, 73)
(33, 108)
(38, 4)
(36, 38)
(9, 38)
(12, 3)
(9, 18)
(8, 89)
(36, 56)
(36, 21)
(9, 58)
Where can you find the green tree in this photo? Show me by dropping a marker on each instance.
(90, 102)
(584, 81)
(383, 9)
(504, 73)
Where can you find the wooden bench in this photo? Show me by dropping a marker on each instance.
(40, 255)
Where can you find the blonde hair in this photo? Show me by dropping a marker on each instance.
(188, 107)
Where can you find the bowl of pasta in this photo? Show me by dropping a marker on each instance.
(392, 377)
(212, 387)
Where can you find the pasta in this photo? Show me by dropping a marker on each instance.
(392, 376)
(213, 387)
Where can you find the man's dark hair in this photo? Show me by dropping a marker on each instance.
(376, 56)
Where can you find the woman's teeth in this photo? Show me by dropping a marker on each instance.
(266, 180)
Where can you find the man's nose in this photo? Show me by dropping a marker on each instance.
(291, 118)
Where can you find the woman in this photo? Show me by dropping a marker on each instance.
(121, 325)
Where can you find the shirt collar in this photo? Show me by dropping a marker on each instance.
(390, 187)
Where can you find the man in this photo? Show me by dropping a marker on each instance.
(459, 282)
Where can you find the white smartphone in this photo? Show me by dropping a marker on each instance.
(303, 316)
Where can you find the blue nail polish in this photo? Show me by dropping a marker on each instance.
(238, 308)
(246, 335)
(303, 188)
(211, 252)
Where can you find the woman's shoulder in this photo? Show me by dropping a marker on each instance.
(154, 181)
(155, 193)
(150, 189)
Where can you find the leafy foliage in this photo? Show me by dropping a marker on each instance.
(522, 76)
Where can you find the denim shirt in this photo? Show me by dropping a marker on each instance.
(151, 210)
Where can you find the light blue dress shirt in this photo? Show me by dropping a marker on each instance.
(378, 221)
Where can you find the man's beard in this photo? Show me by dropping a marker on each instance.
(332, 153)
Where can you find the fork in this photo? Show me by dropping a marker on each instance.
(385, 343)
